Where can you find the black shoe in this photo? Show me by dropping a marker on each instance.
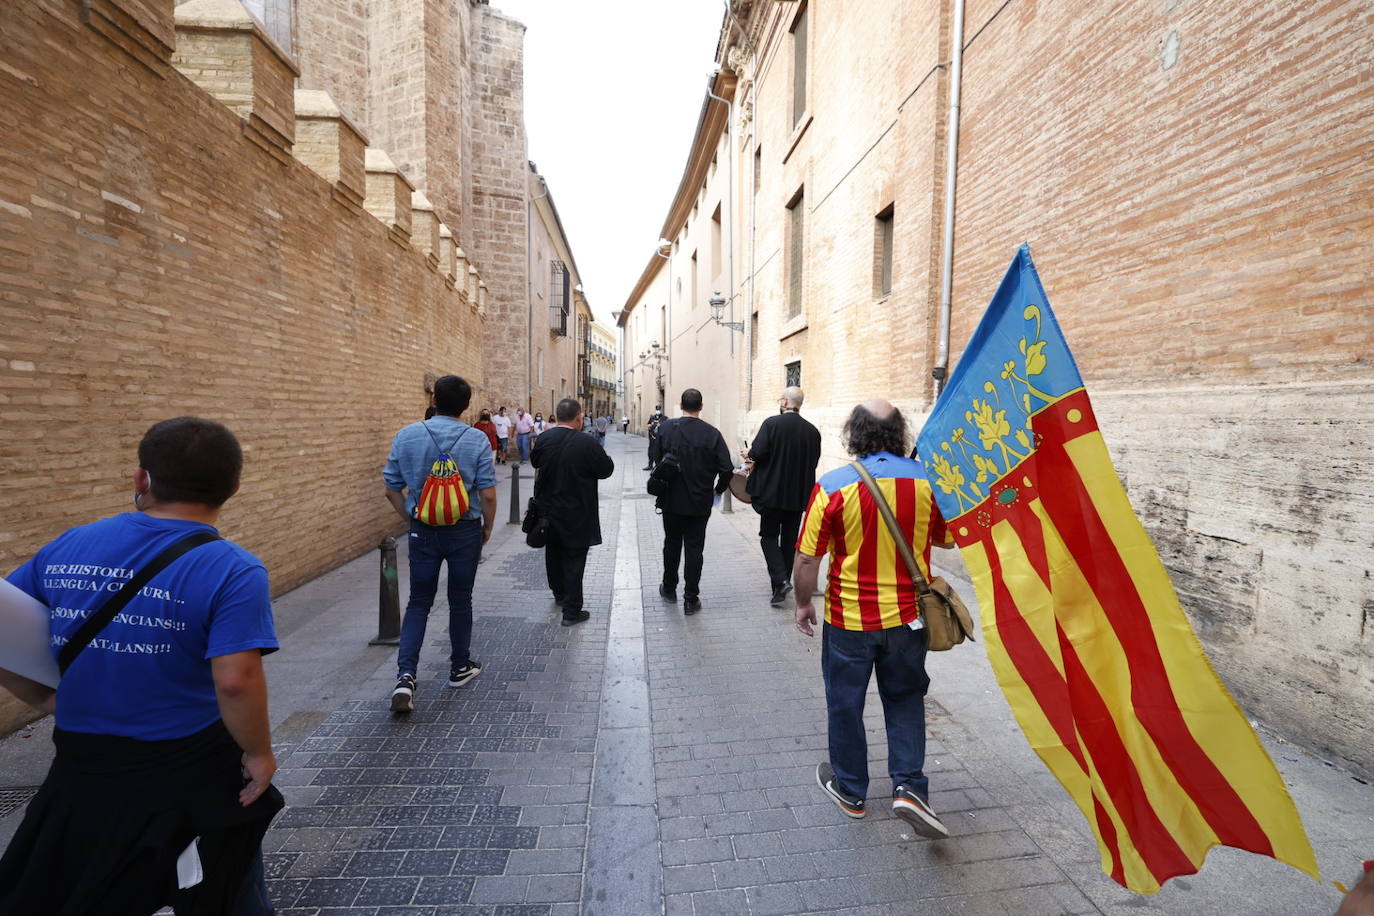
(576, 617)
(691, 605)
(917, 812)
(787, 587)
(667, 594)
(403, 697)
(851, 805)
(457, 677)
(779, 596)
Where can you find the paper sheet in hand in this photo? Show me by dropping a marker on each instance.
(24, 636)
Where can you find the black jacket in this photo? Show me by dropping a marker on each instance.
(569, 465)
(704, 460)
(785, 454)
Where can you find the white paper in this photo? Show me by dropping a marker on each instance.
(189, 871)
(24, 637)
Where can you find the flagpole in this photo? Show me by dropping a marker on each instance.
(956, 69)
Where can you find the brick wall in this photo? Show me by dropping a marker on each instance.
(154, 263)
(1202, 232)
(332, 49)
(495, 209)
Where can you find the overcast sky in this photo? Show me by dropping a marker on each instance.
(613, 89)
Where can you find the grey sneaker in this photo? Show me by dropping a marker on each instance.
(917, 812)
(851, 805)
(403, 697)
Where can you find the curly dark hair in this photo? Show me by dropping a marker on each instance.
(864, 434)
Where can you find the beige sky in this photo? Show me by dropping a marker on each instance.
(612, 93)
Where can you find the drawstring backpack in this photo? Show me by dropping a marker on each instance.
(444, 499)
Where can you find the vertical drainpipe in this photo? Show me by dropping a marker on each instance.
(941, 369)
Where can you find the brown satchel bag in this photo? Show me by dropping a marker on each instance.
(947, 620)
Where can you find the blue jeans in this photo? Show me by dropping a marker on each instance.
(848, 658)
(430, 546)
(523, 441)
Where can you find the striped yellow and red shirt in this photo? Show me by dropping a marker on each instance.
(869, 587)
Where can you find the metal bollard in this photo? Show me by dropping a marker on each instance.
(727, 504)
(514, 495)
(388, 598)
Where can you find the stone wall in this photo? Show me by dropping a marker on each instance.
(495, 208)
(1191, 180)
(157, 260)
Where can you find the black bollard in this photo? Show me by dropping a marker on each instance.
(388, 597)
(514, 495)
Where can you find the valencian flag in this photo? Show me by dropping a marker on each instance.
(1084, 631)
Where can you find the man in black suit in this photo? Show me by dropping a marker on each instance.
(567, 467)
(655, 421)
(785, 454)
(704, 470)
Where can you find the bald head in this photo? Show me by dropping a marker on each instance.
(793, 396)
(875, 426)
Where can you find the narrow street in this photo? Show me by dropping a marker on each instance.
(648, 762)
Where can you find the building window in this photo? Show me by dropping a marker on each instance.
(758, 167)
(793, 374)
(796, 237)
(560, 294)
(799, 66)
(715, 244)
(882, 253)
(695, 287)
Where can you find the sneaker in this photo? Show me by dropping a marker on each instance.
(403, 697)
(851, 805)
(917, 812)
(667, 594)
(787, 587)
(576, 617)
(457, 677)
(691, 605)
(779, 596)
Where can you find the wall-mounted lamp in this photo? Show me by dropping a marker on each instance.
(717, 303)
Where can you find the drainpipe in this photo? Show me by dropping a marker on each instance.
(956, 68)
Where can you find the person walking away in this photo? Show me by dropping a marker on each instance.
(503, 425)
(624, 426)
(872, 619)
(436, 537)
(602, 424)
(785, 453)
(162, 734)
(524, 429)
(655, 421)
(485, 425)
(704, 471)
(567, 468)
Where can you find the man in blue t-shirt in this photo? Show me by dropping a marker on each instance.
(175, 669)
(413, 454)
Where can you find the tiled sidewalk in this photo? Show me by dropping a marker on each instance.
(648, 762)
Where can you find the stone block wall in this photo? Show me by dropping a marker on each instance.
(154, 262)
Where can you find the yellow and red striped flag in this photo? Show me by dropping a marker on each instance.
(1084, 631)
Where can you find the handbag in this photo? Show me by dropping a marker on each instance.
(667, 470)
(101, 618)
(947, 620)
(535, 525)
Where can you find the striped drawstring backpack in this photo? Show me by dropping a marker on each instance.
(444, 499)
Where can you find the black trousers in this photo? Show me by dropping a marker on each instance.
(778, 536)
(679, 532)
(564, 567)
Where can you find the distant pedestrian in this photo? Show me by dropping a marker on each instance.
(624, 426)
(785, 453)
(655, 420)
(602, 424)
(162, 735)
(524, 431)
(539, 424)
(485, 425)
(415, 465)
(704, 470)
(503, 425)
(872, 620)
(568, 467)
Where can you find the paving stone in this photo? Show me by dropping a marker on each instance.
(681, 879)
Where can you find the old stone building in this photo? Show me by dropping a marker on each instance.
(601, 373)
(1193, 180)
(292, 224)
(556, 306)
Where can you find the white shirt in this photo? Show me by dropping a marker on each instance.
(502, 424)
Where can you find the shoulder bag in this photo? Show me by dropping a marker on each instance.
(947, 620)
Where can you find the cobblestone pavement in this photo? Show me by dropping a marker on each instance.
(647, 762)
